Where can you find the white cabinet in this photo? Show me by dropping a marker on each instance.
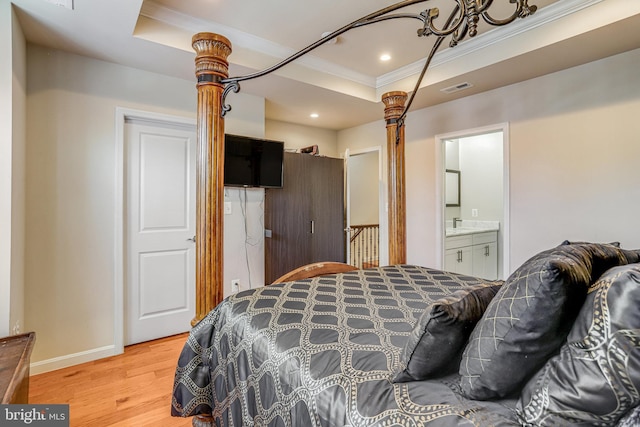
(485, 255)
(473, 254)
(458, 254)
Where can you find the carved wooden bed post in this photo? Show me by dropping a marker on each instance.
(212, 51)
(394, 107)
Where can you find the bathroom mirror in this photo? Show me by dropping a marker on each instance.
(452, 187)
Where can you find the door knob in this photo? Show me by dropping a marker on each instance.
(192, 239)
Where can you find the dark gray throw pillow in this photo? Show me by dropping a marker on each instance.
(530, 317)
(436, 342)
(596, 377)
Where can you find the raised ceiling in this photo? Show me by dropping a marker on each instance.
(342, 81)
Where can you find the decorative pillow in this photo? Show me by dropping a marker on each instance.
(596, 377)
(436, 342)
(531, 315)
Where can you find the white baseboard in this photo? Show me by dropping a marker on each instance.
(72, 359)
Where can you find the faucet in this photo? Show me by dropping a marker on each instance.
(455, 220)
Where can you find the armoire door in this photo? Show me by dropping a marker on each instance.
(327, 210)
(304, 220)
(287, 211)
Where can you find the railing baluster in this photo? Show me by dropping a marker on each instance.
(365, 245)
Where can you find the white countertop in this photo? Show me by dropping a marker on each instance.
(471, 227)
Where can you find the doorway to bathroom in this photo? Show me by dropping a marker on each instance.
(472, 194)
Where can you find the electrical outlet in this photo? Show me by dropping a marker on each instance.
(16, 328)
(235, 285)
(227, 208)
(474, 212)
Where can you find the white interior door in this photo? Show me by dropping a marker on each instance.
(159, 230)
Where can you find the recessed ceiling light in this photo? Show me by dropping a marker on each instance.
(385, 57)
(333, 40)
(314, 115)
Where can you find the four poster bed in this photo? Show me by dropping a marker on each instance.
(557, 343)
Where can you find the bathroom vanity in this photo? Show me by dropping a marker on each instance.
(472, 251)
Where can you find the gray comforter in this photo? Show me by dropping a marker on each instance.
(321, 352)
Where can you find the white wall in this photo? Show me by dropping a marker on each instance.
(481, 171)
(12, 171)
(298, 136)
(364, 188)
(71, 191)
(6, 145)
(573, 157)
(244, 250)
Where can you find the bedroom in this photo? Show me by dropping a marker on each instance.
(573, 175)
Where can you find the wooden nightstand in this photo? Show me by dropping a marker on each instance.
(15, 355)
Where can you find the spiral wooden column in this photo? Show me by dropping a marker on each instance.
(212, 51)
(394, 106)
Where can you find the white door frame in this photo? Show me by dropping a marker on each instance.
(440, 193)
(122, 114)
(382, 213)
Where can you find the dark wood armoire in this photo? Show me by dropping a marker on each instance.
(304, 220)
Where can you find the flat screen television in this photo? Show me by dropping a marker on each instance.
(252, 162)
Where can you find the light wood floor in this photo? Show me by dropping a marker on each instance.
(132, 389)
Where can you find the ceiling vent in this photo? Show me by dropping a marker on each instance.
(456, 88)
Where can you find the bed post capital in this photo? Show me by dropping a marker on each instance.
(393, 105)
(212, 51)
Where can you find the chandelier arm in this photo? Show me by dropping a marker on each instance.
(434, 13)
(486, 4)
(522, 10)
(498, 22)
(459, 34)
(368, 19)
(433, 51)
(417, 16)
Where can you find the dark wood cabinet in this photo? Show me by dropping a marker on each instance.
(304, 220)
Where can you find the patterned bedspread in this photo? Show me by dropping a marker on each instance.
(321, 352)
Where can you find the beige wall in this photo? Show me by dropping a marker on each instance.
(71, 191)
(12, 171)
(18, 174)
(364, 188)
(573, 157)
(297, 136)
